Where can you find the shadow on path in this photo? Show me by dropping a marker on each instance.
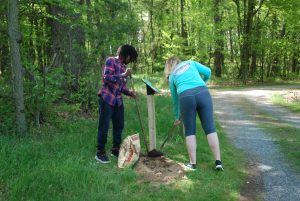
(270, 177)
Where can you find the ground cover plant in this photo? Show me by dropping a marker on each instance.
(56, 162)
(51, 57)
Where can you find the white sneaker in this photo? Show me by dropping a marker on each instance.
(189, 167)
(219, 166)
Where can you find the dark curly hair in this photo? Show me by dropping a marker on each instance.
(128, 50)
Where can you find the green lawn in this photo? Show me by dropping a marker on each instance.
(57, 161)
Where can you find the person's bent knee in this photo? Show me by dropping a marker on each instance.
(189, 134)
(209, 129)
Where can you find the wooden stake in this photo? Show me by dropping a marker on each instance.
(151, 121)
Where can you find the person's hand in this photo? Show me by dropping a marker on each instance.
(127, 73)
(134, 96)
(177, 122)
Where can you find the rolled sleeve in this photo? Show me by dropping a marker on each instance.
(127, 92)
(109, 72)
(203, 70)
(174, 95)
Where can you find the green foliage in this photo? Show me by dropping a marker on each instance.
(89, 86)
(41, 91)
(6, 109)
(111, 25)
(4, 52)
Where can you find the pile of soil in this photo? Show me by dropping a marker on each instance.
(292, 96)
(159, 170)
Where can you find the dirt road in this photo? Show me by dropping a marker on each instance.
(271, 177)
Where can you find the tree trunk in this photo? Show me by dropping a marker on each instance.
(256, 38)
(253, 64)
(231, 45)
(17, 70)
(38, 32)
(58, 35)
(238, 10)
(275, 66)
(262, 63)
(219, 40)
(249, 6)
(76, 44)
(152, 45)
(282, 35)
(295, 63)
(184, 33)
(3, 54)
(284, 69)
(67, 42)
(31, 48)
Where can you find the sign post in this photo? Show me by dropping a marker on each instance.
(151, 90)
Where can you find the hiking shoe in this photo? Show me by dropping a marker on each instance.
(219, 166)
(102, 157)
(189, 167)
(115, 152)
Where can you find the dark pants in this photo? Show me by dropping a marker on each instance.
(116, 114)
(197, 100)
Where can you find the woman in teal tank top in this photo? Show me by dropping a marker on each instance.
(187, 82)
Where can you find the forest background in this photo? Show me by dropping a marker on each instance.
(52, 51)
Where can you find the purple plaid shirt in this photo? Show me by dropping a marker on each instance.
(113, 83)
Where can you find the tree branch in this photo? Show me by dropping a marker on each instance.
(51, 64)
(259, 7)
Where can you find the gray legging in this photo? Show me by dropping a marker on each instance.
(196, 100)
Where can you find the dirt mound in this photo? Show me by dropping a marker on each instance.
(159, 170)
(292, 96)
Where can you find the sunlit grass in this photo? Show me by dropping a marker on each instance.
(56, 162)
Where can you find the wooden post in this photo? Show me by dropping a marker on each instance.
(151, 121)
(151, 90)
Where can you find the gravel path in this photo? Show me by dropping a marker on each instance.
(270, 176)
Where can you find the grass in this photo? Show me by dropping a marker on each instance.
(56, 162)
(281, 101)
(288, 139)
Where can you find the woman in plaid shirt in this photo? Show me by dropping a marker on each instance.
(111, 105)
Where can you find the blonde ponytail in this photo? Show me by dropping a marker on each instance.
(170, 65)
